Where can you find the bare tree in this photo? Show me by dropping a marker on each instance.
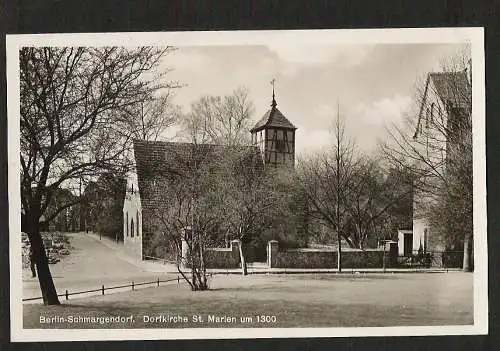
(220, 120)
(194, 200)
(347, 192)
(369, 198)
(72, 127)
(150, 118)
(255, 198)
(325, 179)
(435, 146)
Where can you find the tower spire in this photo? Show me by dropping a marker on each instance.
(273, 103)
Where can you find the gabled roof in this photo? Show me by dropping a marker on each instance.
(273, 118)
(155, 160)
(452, 88)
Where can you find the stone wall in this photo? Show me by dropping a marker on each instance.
(325, 258)
(217, 257)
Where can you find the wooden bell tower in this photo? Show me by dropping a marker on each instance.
(274, 134)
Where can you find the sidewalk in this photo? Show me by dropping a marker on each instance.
(117, 248)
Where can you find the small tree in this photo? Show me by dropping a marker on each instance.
(325, 178)
(103, 205)
(193, 204)
(256, 198)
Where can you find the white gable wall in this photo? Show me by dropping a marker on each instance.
(132, 217)
(434, 147)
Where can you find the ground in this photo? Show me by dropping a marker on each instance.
(91, 263)
(291, 300)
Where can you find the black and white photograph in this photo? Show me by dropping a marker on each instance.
(247, 184)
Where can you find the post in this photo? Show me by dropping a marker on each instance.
(66, 294)
(184, 250)
(383, 258)
(102, 289)
(158, 281)
(272, 251)
(178, 280)
(132, 286)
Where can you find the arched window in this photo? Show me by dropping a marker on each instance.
(132, 228)
(431, 116)
(126, 224)
(427, 117)
(137, 221)
(426, 238)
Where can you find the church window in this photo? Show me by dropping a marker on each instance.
(132, 228)
(427, 116)
(137, 221)
(431, 116)
(280, 145)
(126, 225)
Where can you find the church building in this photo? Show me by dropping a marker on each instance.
(273, 145)
(446, 104)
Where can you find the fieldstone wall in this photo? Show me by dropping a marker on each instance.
(327, 258)
(218, 257)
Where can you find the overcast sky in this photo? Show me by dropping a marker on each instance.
(372, 83)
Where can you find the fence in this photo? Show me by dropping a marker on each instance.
(102, 289)
(439, 259)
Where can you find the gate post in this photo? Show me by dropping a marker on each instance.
(272, 251)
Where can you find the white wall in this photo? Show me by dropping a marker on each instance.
(401, 241)
(419, 227)
(132, 207)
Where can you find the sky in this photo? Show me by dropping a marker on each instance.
(372, 84)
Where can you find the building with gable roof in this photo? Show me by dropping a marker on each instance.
(273, 144)
(446, 104)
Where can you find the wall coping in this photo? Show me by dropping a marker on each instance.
(311, 249)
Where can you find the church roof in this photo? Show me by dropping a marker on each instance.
(158, 160)
(452, 87)
(273, 118)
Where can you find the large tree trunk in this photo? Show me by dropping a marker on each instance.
(47, 287)
(243, 260)
(467, 263)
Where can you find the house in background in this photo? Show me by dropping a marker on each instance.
(446, 100)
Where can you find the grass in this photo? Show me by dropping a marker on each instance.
(325, 300)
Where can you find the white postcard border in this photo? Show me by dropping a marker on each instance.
(355, 36)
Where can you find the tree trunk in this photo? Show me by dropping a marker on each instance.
(244, 270)
(47, 287)
(339, 253)
(467, 264)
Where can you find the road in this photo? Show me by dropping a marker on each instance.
(91, 264)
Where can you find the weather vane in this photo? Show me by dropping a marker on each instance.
(273, 81)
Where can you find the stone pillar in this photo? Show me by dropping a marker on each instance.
(235, 247)
(272, 251)
(235, 251)
(184, 248)
(393, 254)
(184, 253)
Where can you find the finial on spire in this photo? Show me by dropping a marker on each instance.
(273, 103)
